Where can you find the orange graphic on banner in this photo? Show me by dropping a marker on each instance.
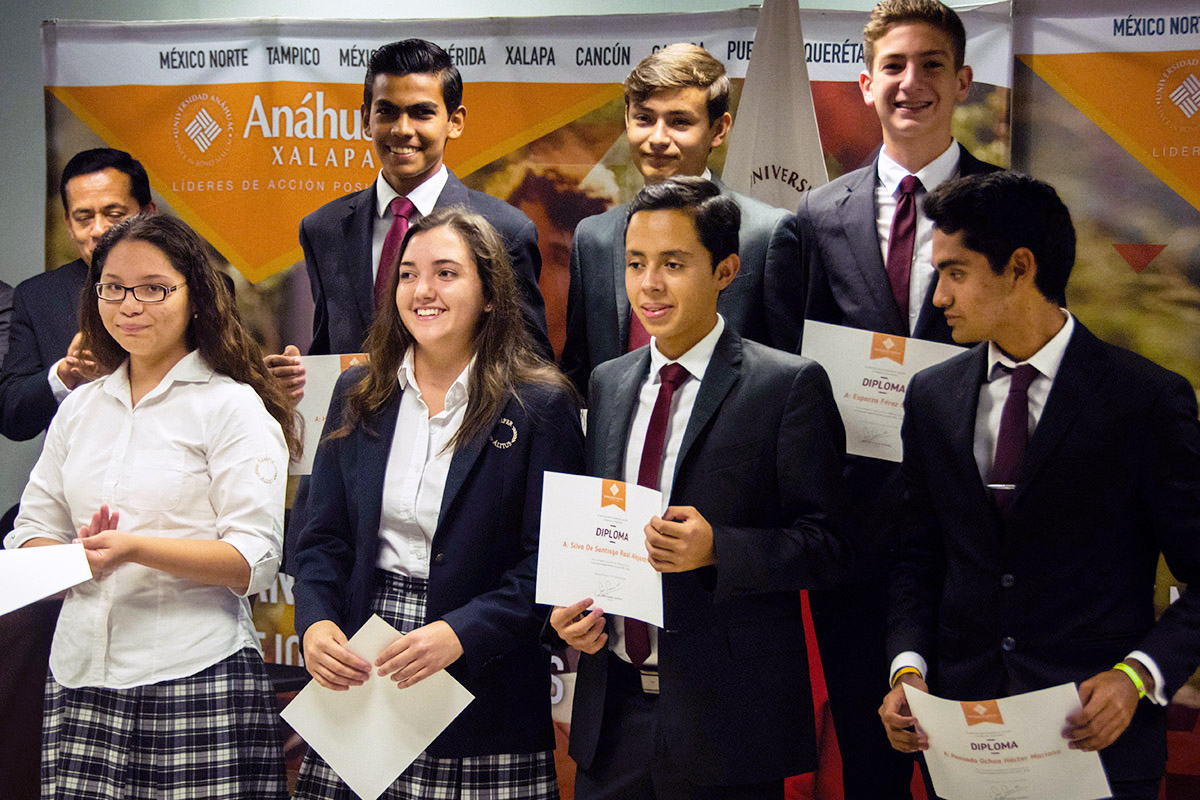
(1149, 103)
(244, 163)
(884, 345)
(1139, 256)
(980, 711)
(612, 493)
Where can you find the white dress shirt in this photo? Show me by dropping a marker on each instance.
(199, 457)
(890, 174)
(415, 477)
(992, 395)
(695, 361)
(424, 197)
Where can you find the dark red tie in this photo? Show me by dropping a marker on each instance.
(638, 336)
(1013, 436)
(671, 377)
(402, 211)
(901, 241)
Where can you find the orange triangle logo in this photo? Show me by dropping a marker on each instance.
(884, 345)
(980, 711)
(1139, 256)
(612, 493)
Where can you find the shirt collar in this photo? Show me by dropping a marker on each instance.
(192, 368)
(1046, 361)
(695, 360)
(456, 395)
(936, 172)
(424, 197)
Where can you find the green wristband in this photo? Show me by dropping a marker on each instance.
(1133, 676)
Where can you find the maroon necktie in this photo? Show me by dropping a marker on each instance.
(901, 242)
(1013, 436)
(402, 210)
(638, 336)
(671, 377)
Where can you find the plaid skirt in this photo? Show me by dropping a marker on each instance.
(213, 735)
(400, 601)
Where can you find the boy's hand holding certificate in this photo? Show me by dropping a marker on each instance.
(1007, 748)
(593, 545)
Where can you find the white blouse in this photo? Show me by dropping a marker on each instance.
(199, 457)
(415, 477)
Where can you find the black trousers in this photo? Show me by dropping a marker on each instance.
(632, 764)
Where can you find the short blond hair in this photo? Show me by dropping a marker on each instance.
(890, 13)
(680, 66)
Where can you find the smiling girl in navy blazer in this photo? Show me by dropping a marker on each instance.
(425, 506)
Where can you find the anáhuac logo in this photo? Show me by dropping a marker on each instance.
(202, 127)
(1177, 96)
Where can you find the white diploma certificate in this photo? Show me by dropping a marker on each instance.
(369, 734)
(869, 373)
(29, 574)
(1007, 749)
(593, 544)
(320, 376)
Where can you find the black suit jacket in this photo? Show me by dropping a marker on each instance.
(598, 310)
(45, 319)
(483, 564)
(336, 239)
(1059, 587)
(761, 460)
(844, 280)
(6, 308)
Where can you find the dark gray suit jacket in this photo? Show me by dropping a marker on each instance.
(844, 280)
(1061, 585)
(598, 309)
(336, 239)
(45, 319)
(761, 460)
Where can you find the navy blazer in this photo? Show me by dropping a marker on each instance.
(598, 309)
(844, 280)
(761, 460)
(1060, 586)
(336, 239)
(483, 563)
(45, 319)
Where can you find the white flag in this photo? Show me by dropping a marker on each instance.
(774, 149)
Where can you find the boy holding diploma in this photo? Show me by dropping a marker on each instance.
(746, 443)
(1044, 472)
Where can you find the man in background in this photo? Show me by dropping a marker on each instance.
(676, 113)
(865, 256)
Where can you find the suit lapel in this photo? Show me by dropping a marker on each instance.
(857, 213)
(1073, 388)
(375, 447)
(357, 234)
(617, 274)
(461, 465)
(960, 405)
(614, 425)
(723, 370)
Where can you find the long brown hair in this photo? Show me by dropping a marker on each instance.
(214, 328)
(504, 353)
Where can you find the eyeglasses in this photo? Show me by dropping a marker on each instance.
(143, 293)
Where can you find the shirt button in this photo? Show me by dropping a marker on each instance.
(1007, 580)
(437, 559)
(1008, 644)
